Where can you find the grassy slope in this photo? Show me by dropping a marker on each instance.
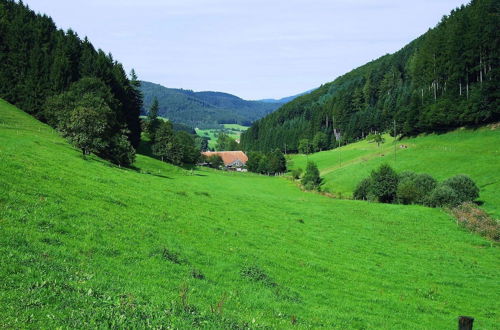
(82, 243)
(472, 152)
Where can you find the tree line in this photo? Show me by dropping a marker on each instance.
(63, 80)
(445, 79)
(171, 143)
(270, 163)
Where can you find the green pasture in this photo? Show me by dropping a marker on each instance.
(475, 152)
(233, 130)
(86, 244)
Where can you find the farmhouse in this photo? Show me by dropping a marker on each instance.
(233, 160)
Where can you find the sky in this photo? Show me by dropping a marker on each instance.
(254, 49)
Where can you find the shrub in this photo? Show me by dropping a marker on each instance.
(443, 195)
(407, 192)
(465, 188)
(253, 161)
(424, 184)
(311, 179)
(120, 151)
(215, 161)
(384, 184)
(296, 173)
(413, 188)
(407, 175)
(304, 146)
(363, 190)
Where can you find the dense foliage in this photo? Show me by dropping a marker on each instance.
(270, 163)
(84, 114)
(214, 161)
(204, 109)
(38, 62)
(175, 147)
(311, 179)
(447, 78)
(386, 186)
(226, 143)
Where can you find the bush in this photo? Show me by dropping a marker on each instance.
(413, 188)
(253, 161)
(384, 184)
(363, 190)
(304, 146)
(311, 179)
(120, 151)
(215, 161)
(443, 195)
(296, 173)
(407, 192)
(465, 188)
(424, 184)
(407, 175)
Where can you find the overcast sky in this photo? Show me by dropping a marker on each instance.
(251, 48)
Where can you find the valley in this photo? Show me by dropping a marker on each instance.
(370, 202)
(157, 244)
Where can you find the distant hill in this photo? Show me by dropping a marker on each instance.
(206, 109)
(285, 99)
(446, 78)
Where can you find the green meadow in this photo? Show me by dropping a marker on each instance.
(233, 130)
(464, 151)
(84, 243)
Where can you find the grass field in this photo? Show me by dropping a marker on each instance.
(472, 152)
(86, 244)
(233, 130)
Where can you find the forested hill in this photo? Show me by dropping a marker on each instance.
(448, 77)
(204, 109)
(48, 72)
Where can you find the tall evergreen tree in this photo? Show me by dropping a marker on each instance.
(153, 121)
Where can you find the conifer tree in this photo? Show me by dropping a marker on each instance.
(153, 121)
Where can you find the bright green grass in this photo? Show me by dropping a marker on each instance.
(236, 127)
(233, 130)
(82, 245)
(472, 152)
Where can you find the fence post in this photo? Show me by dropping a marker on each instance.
(465, 322)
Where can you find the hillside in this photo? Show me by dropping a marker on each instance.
(287, 99)
(204, 109)
(472, 152)
(445, 79)
(40, 63)
(84, 243)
